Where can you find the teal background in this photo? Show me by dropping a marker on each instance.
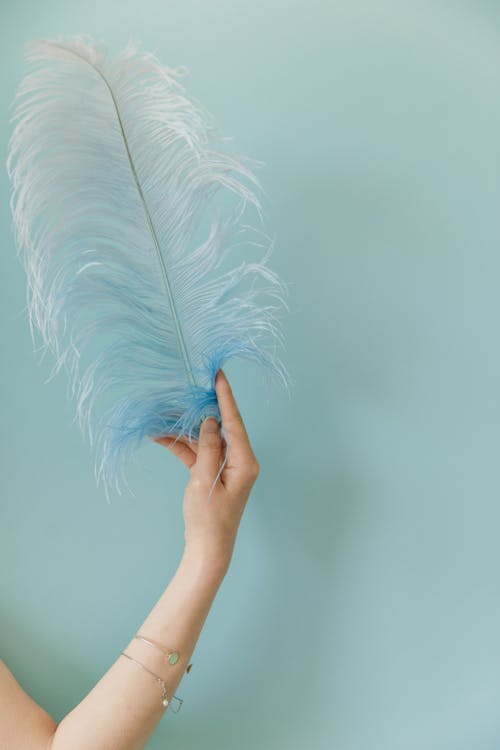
(362, 607)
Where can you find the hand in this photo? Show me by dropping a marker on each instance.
(211, 525)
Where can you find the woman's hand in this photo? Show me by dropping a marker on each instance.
(211, 525)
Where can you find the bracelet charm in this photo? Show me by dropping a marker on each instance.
(171, 656)
(165, 699)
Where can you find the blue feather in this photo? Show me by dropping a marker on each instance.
(113, 169)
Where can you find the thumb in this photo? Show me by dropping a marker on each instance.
(209, 450)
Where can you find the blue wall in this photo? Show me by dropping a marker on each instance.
(362, 609)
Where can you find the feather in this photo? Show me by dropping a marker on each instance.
(115, 171)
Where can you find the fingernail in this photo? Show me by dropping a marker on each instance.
(208, 413)
(214, 427)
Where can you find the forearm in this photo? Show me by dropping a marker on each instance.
(124, 707)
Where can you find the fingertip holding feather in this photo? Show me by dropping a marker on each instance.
(113, 169)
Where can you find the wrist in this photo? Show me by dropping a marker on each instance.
(208, 560)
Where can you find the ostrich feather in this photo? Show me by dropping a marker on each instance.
(115, 171)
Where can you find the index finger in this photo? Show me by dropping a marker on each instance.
(232, 421)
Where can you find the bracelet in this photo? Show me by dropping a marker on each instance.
(165, 701)
(171, 656)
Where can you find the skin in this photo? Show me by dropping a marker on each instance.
(124, 707)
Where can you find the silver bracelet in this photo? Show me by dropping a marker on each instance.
(171, 656)
(165, 700)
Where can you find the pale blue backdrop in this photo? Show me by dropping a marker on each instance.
(362, 609)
